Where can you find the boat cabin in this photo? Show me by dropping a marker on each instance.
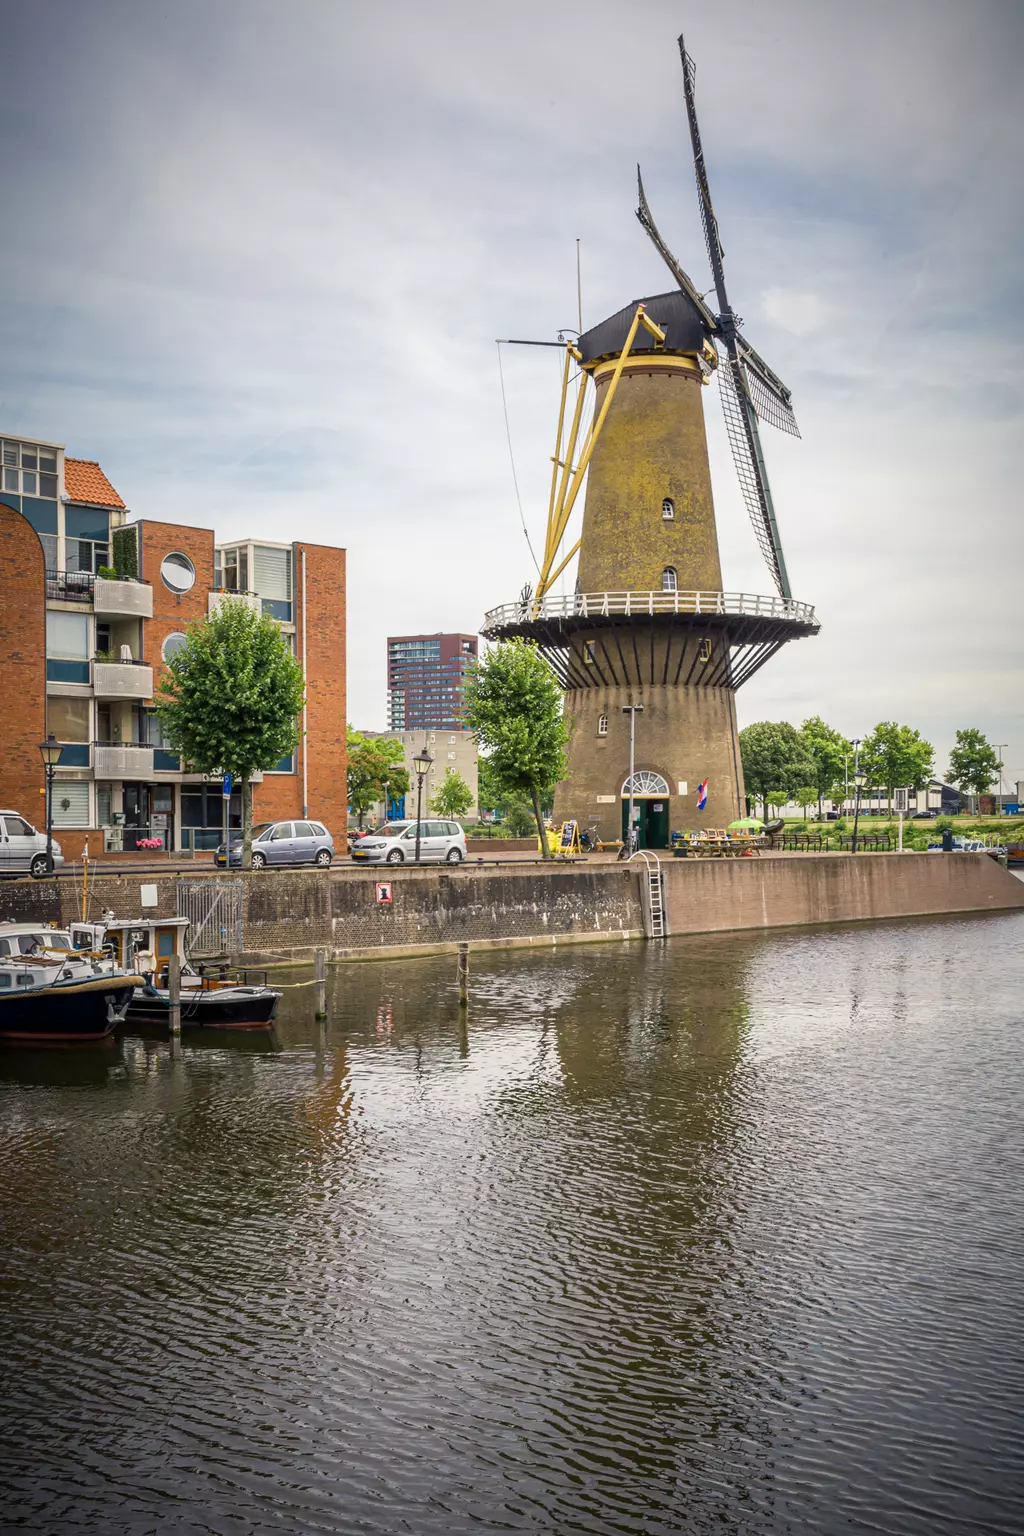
(125, 938)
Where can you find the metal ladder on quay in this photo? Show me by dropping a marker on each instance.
(655, 904)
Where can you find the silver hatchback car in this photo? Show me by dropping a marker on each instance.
(440, 842)
(22, 848)
(282, 842)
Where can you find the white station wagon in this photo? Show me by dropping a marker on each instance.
(440, 842)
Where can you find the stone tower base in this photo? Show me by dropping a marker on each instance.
(685, 734)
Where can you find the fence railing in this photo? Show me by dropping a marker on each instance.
(583, 605)
(70, 586)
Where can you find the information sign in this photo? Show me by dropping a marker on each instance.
(383, 893)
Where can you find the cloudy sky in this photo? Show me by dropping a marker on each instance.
(258, 252)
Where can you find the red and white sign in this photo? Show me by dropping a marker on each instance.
(383, 893)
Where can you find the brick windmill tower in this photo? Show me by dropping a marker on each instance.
(649, 623)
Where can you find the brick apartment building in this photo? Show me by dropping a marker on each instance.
(83, 654)
(426, 677)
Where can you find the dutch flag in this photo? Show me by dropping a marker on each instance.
(702, 794)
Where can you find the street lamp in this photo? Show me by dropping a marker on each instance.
(387, 786)
(49, 751)
(859, 780)
(421, 762)
(632, 710)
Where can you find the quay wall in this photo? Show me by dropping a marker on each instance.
(287, 915)
(799, 890)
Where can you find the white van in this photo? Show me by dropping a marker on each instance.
(23, 849)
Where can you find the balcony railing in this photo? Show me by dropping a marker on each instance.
(128, 679)
(582, 605)
(123, 598)
(70, 586)
(122, 759)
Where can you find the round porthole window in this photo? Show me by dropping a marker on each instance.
(178, 573)
(171, 646)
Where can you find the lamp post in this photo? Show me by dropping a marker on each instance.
(1000, 747)
(49, 751)
(421, 762)
(387, 785)
(632, 710)
(859, 777)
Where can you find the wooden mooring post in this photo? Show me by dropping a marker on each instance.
(174, 993)
(320, 977)
(463, 975)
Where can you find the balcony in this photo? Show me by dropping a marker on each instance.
(216, 600)
(122, 599)
(70, 586)
(122, 760)
(122, 680)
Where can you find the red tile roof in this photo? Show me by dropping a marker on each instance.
(85, 481)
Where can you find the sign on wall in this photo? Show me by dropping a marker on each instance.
(383, 893)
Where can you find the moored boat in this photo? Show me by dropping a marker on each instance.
(51, 992)
(208, 999)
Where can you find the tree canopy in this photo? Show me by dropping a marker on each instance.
(513, 704)
(896, 755)
(453, 796)
(777, 762)
(231, 698)
(973, 762)
(374, 761)
(830, 752)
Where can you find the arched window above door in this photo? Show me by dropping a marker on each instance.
(645, 783)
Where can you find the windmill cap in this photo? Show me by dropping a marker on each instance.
(677, 316)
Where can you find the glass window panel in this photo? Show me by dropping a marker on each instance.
(29, 482)
(67, 671)
(11, 480)
(29, 456)
(67, 634)
(71, 805)
(103, 804)
(11, 453)
(68, 719)
(41, 514)
(48, 458)
(48, 485)
(77, 555)
(49, 543)
(87, 523)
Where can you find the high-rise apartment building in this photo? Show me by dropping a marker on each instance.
(426, 678)
(94, 606)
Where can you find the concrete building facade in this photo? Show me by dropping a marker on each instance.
(90, 646)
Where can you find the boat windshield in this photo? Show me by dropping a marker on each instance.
(26, 943)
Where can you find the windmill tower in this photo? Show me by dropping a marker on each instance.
(649, 623)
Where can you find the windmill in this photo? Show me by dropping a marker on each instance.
(750, 390)
(648, 621)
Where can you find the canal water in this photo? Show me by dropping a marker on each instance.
(718, 1235)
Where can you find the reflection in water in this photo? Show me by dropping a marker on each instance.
(723, 1234)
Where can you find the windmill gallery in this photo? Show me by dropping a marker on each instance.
(649, 624)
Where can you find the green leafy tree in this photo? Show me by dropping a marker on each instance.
(231, 699)
(776, 761)
(806, 795)
(453, 796)
(374, 761)
(973, 763)
(896, 755)
(514, 706)
(830, 752)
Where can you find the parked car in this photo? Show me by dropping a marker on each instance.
(924, 816)
(22, 848)
(440, 842)
(282, 842)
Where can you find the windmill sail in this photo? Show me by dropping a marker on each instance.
(646, 218)
(748, 386)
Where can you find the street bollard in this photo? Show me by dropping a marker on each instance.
(174, 993)
(463, 975)
(320, 977)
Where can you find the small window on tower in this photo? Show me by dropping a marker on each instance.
(704, 651)
(668, 509)
(588, 652)
(602, 725)
(669, 582)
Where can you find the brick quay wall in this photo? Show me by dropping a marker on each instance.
(288, 915)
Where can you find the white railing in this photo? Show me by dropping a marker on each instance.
(584, 605)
